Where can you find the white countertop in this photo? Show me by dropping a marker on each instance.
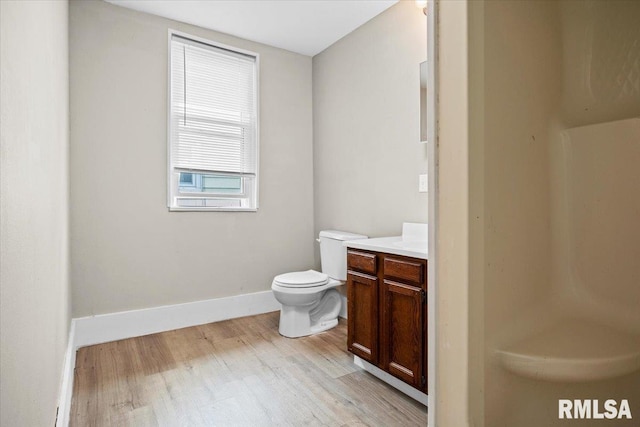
(396, 245)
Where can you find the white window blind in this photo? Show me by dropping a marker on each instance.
(213, 129)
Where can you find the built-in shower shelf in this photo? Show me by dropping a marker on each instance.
(574, 351)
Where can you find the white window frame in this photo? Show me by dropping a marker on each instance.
(172, 184)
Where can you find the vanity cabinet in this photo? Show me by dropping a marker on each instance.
(387, 313)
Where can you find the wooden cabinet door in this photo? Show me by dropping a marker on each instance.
(402, 332)
(362, 316)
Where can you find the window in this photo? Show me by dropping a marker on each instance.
(213, 126)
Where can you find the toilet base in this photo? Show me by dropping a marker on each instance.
(303, 320)
(324, 326)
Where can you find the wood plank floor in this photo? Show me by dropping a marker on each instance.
(239, 372)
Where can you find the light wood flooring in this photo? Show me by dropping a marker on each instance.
(239, 372)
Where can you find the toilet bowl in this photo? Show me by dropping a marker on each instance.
(310, 304)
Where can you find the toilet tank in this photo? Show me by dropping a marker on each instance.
(333, 253)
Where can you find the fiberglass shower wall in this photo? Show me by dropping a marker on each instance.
(562, 208)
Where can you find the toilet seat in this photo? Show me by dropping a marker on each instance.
(302, 279)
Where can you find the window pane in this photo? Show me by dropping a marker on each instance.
(209, 183)
(186, 179)
(225, 184)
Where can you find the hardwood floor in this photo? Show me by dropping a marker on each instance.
(239, 372)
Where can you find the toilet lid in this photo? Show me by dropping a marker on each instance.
(302, 279)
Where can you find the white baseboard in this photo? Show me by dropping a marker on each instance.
(66, 387)
(392, 381)
(135, 323)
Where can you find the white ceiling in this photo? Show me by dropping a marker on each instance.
(303, 26)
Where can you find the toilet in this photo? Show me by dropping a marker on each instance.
(310, 304)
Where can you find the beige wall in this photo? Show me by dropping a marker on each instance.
(34, 286)
(127, 250)
(366, 128)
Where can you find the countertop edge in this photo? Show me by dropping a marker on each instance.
(379, 246)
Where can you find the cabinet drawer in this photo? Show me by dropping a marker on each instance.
(403, 269)
(362, 261)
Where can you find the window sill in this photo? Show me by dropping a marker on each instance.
(200, 209)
